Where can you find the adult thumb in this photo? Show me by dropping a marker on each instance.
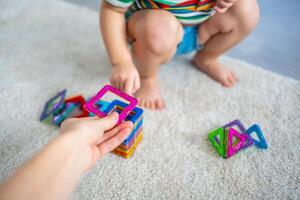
(109, 122)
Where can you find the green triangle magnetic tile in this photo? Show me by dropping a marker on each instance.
(218, 144)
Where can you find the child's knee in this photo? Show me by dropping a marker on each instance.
(160, 34)
(247, 14)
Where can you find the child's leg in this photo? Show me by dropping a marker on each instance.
(155, 35)
(220, 33)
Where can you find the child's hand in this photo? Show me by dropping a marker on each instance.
(93, 137)
(125, 78)
(223, 5)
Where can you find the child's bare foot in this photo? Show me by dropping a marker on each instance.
(149, 94)
(216, 71)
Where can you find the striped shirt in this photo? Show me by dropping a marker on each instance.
(188, 12)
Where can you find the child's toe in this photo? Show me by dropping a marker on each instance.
(234, 76)
(142, 103)
(231, 80)
(160, 104)
(152, 105)
(148, 104)
(226, 82)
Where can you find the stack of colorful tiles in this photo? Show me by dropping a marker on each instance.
(127, 112)
(129, 145)
(228, 141)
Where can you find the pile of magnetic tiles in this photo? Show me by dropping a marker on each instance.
(59, 108)
(228, 141)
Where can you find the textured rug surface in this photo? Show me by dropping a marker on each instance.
(46, 46)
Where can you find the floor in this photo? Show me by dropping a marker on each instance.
(274, 45)
(48, 46)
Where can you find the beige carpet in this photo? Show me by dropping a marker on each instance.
(46, 46)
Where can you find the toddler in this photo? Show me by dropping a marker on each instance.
(159, 29)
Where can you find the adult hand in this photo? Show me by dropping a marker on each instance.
(95, 136)
(55, 170)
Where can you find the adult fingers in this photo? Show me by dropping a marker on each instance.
(108, 122)
(94, 117)
(97, 127)
(115, 130)
(113, 142)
